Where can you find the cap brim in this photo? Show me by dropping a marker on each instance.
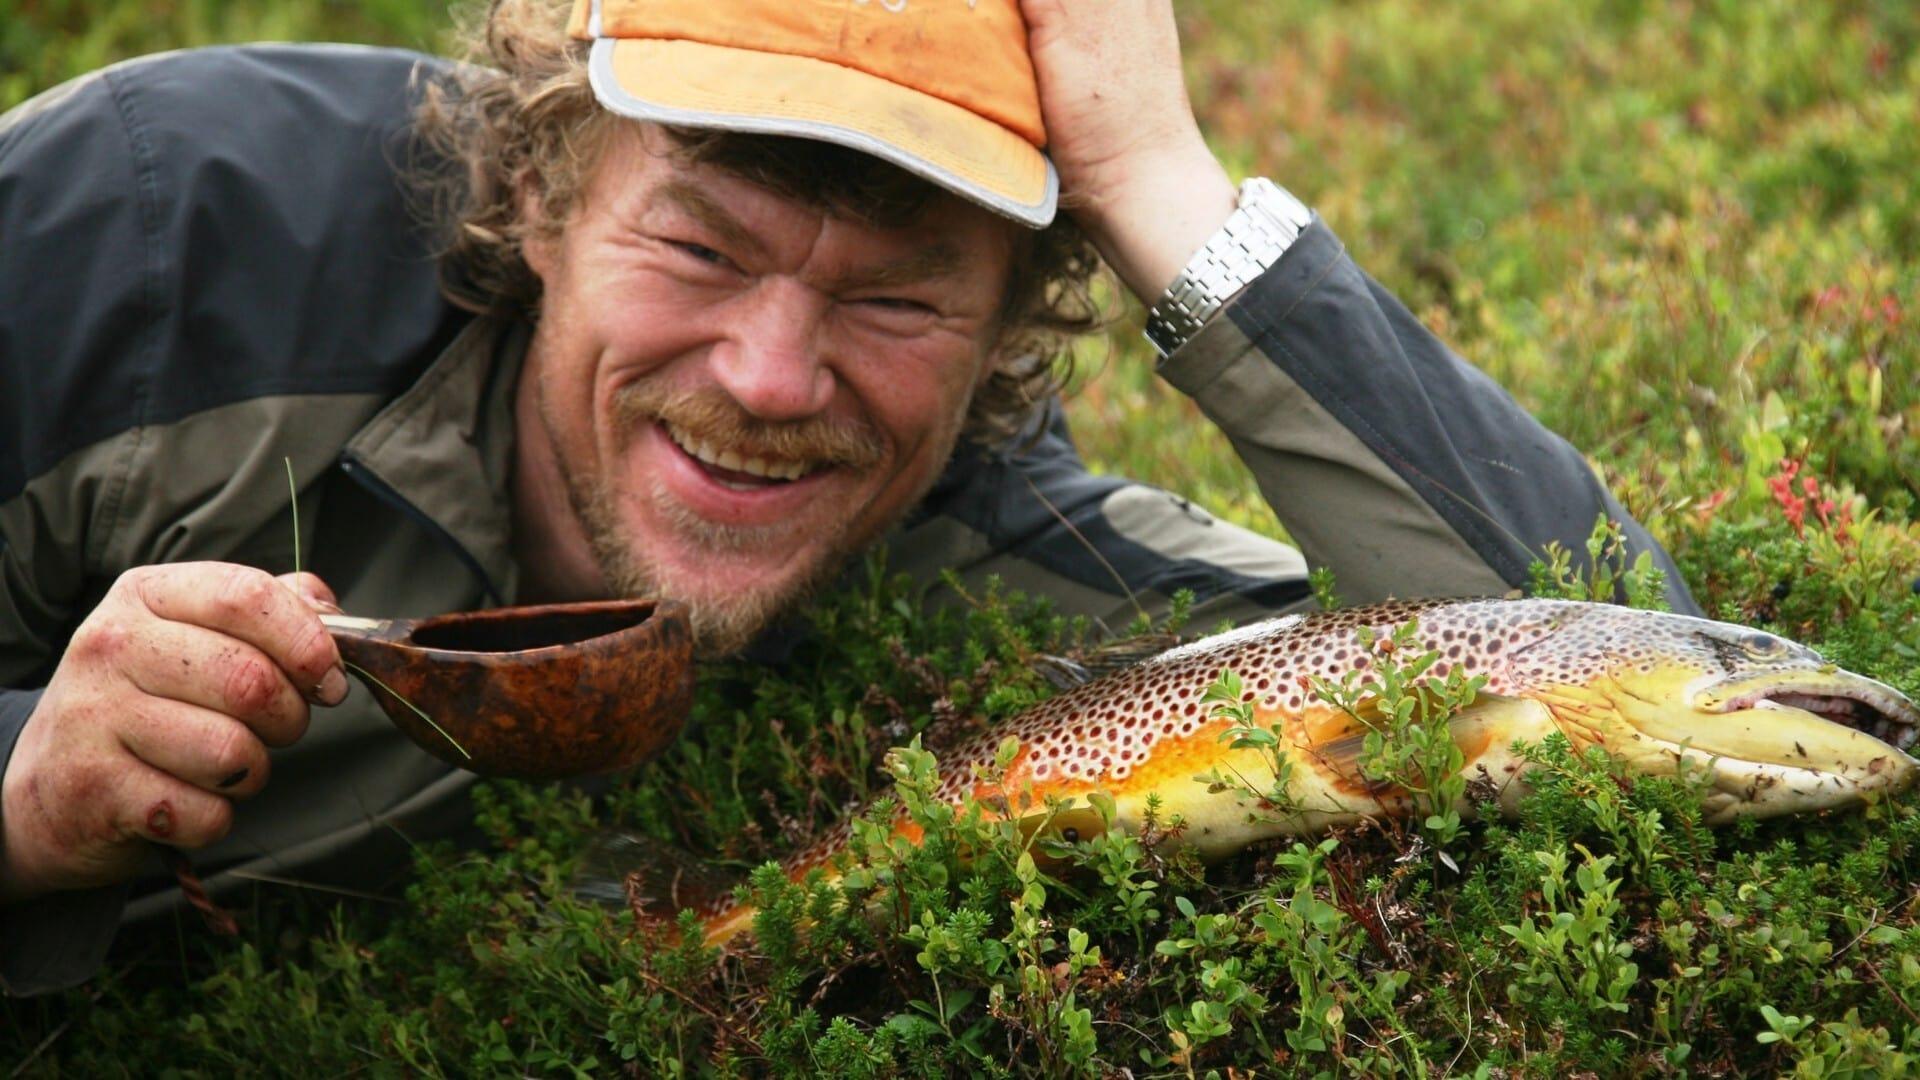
(693, 84)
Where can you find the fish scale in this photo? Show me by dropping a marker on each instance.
(1651, 688)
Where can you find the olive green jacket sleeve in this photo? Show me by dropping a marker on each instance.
(1389, 459)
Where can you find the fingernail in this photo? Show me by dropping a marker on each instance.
(333, 688)
(238, 776)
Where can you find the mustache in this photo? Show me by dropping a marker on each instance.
(710, 415)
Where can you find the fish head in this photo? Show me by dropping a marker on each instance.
(1779, 728)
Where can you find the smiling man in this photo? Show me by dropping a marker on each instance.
(712, 296)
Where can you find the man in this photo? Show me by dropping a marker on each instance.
(733, 283)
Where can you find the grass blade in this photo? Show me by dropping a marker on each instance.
(293, 499)
(375, 680)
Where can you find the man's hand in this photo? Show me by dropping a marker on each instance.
(1134, 170)
(159, 716)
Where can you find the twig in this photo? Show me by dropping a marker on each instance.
(1873, 969)
(295, 883)
(1138, 608)
(20, 1068)
(218, 919)
(833, 976)
(726, 1027)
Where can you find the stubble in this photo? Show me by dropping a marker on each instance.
(722, 624)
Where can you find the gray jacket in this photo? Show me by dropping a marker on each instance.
(208, 266)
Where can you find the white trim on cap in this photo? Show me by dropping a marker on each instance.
(606, 87)
(593, 20)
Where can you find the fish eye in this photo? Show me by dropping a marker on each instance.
(1759, 643)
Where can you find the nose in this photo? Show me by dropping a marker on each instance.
(772, 360)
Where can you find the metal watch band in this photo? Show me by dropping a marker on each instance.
(1264, 225)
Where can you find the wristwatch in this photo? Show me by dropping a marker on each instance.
(1264, 225)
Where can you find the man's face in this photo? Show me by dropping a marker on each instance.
(736, 391)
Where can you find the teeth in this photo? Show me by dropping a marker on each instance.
(707, 453)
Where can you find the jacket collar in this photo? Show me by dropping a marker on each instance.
(443, 450)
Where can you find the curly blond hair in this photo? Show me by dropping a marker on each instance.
(519, 110)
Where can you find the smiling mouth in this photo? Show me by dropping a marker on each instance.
(737, 471)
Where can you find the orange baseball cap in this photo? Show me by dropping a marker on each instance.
(941, 88)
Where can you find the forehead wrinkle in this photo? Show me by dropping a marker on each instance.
(707, 210)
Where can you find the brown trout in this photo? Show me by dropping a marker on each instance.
(1774, 728)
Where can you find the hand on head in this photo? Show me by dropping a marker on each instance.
(1135, 171)
(158, 717)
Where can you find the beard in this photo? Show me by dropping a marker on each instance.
(726, 621)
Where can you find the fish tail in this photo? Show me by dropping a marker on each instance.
(649, 877)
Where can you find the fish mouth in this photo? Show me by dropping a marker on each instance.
(1788, 741)
(1854, 702)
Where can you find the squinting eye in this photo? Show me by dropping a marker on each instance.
(894, 303)
(702, 252)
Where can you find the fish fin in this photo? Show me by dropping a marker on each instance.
(1085, 665)
(649, 877)
(1494, 721)
(1112, 656)
(1337, 738)
(1062, 673)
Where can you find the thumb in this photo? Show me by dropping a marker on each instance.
(314, 591)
